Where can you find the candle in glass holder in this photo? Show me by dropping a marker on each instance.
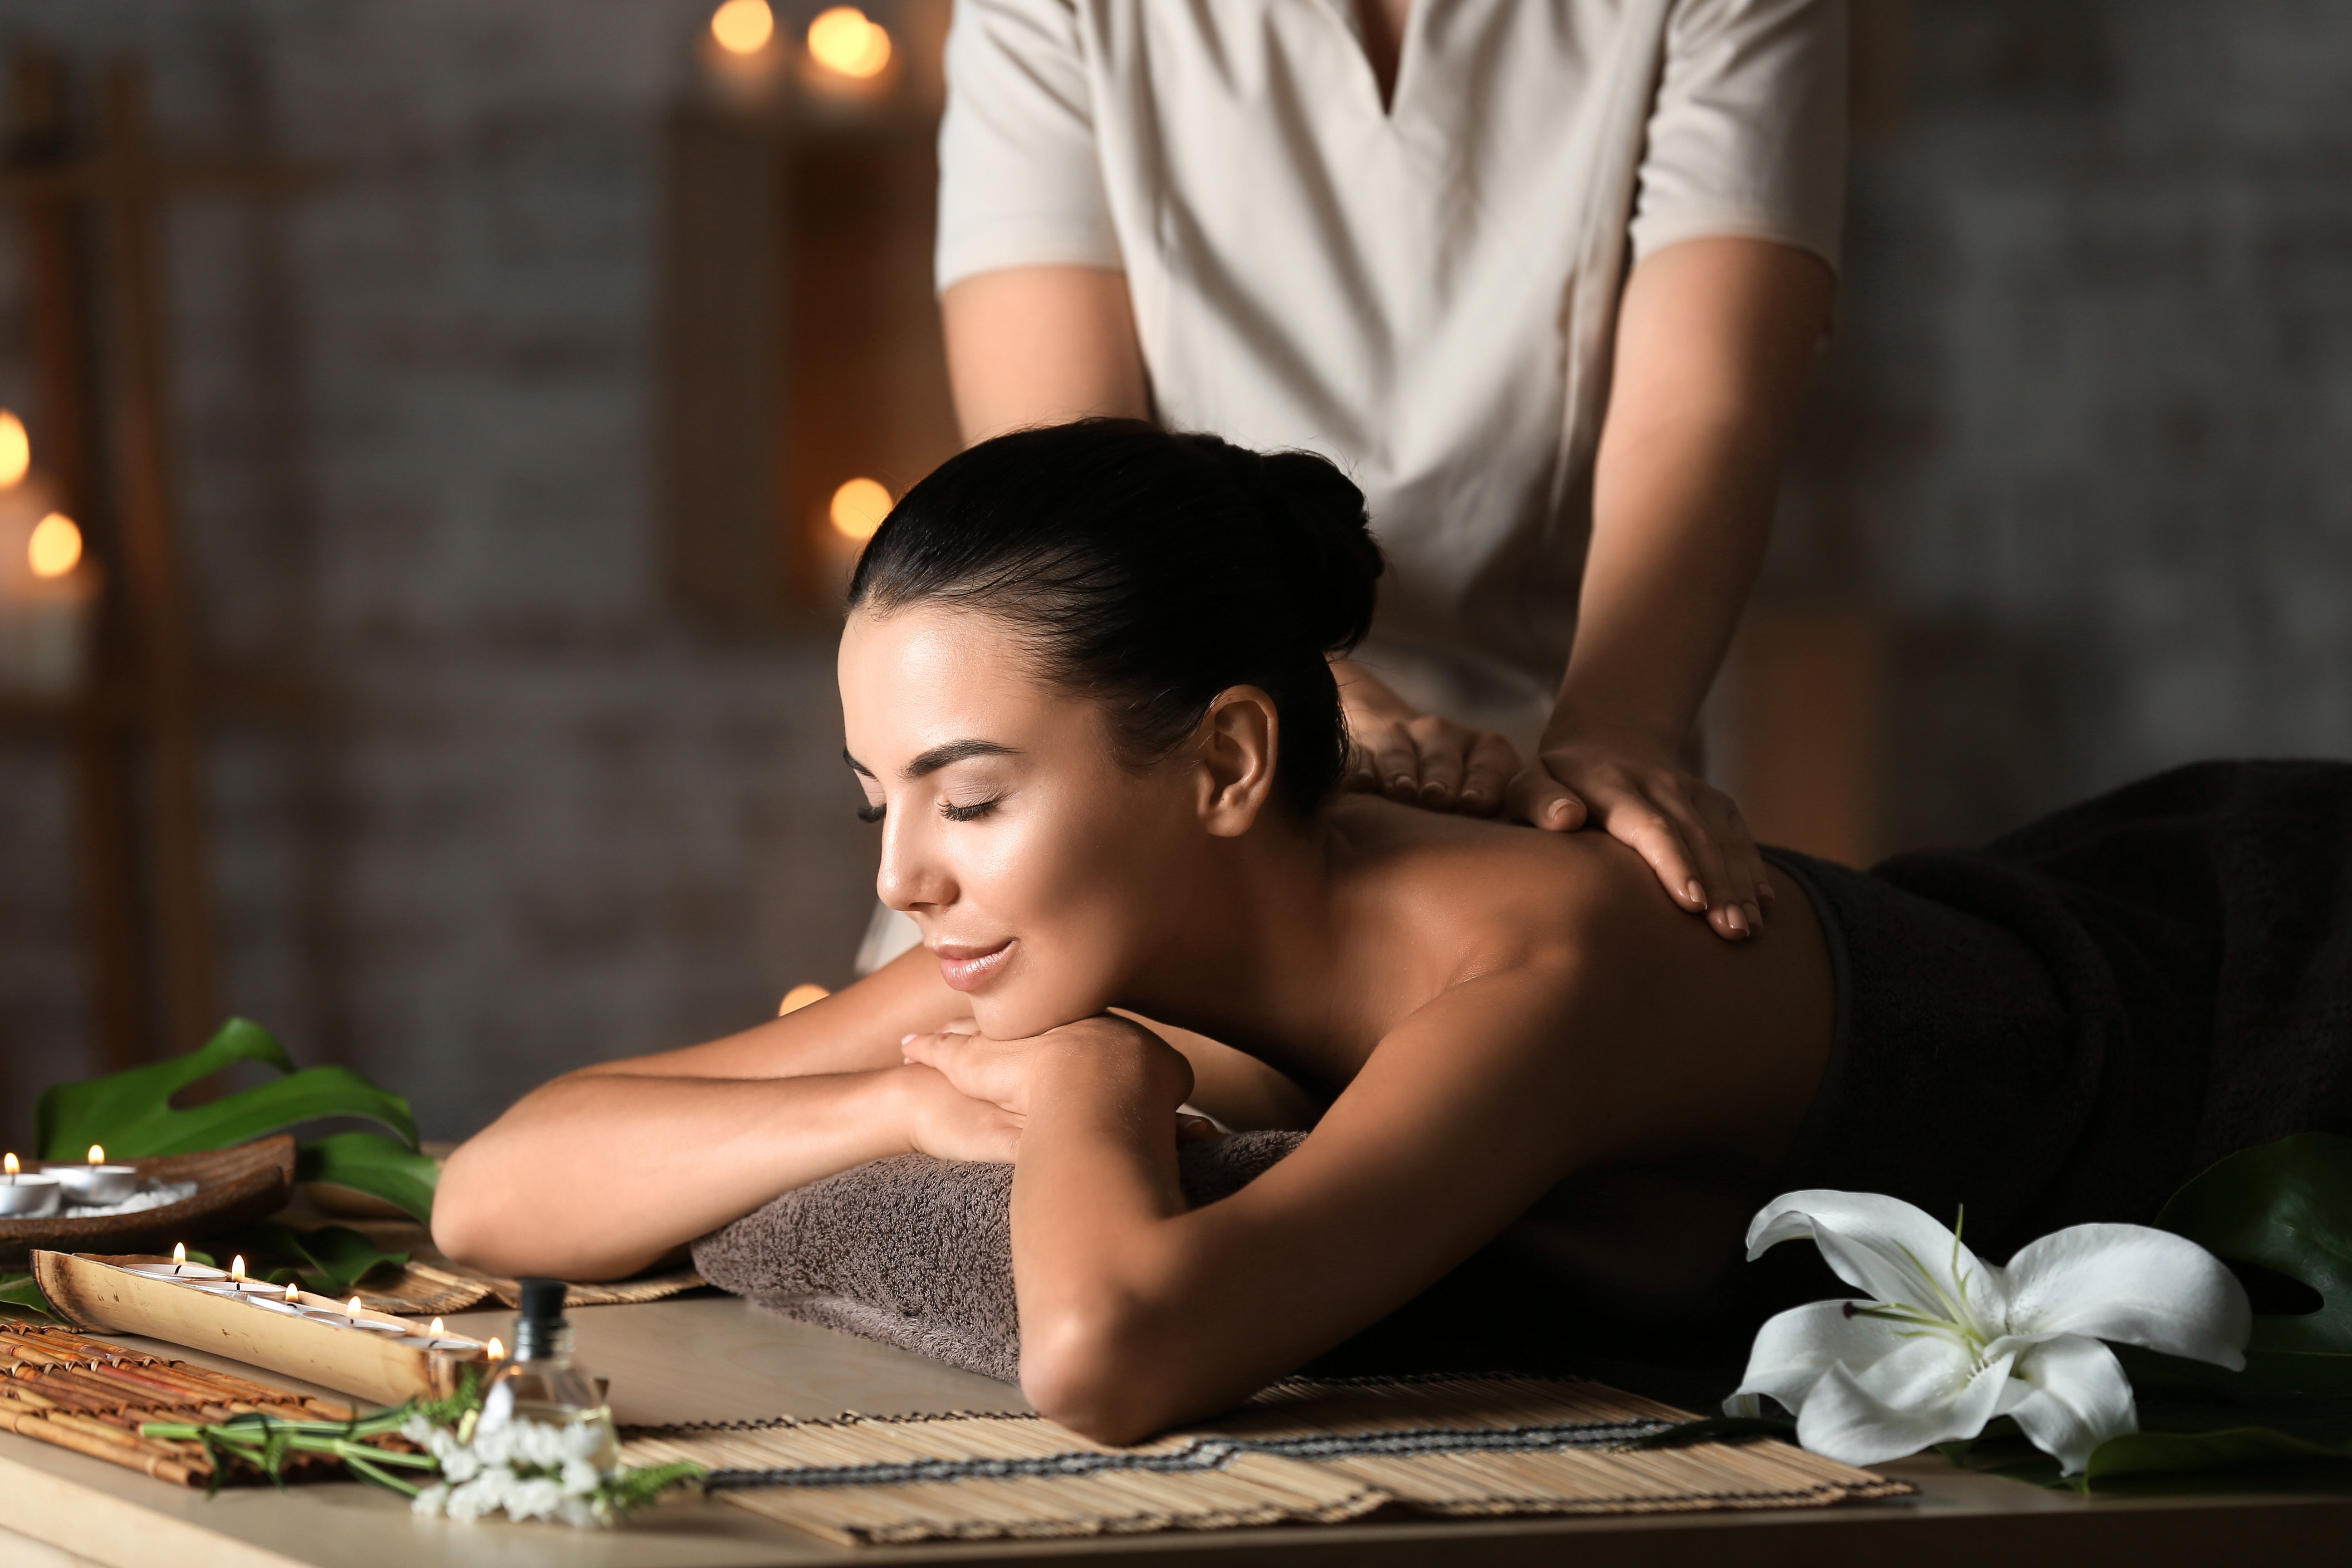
(25, 1194)
(96, 1181)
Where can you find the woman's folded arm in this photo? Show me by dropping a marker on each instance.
(607, 1169)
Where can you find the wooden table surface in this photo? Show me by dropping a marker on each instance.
(711, 1358)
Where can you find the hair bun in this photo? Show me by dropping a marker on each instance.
(1336, 562)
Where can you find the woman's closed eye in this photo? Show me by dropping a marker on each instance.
(971, 812)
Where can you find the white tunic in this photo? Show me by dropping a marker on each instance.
(1425, 293)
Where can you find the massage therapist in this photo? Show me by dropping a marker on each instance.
(1543, 276)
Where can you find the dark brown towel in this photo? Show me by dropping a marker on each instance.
(2069, 1022)
(918, 1252)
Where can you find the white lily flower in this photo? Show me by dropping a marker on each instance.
(1949, 1342)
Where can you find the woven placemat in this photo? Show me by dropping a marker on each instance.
(74, 1392)
(1302, 1452)
(442, 1285)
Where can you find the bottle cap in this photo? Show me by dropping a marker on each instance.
(542, 1300)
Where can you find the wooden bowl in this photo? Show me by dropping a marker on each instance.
(233, 1187)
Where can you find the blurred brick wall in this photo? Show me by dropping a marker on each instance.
(2083, 443)
(538, 820)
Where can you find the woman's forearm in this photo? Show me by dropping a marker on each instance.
(1715, 339)
(598, 1174)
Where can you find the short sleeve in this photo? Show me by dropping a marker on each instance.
(1020, 184)
(1747, 133)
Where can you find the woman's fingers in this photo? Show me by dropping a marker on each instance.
(1494, 762)
(1743, 863)
(1441, 755)
(1396, 765)
(982, 1069)
(1535, 797)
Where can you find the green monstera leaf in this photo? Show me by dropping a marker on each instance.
(372, 1162)
(2286, 1206)
(132, 1114)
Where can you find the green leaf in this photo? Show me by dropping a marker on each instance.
(2150, 1453)
(131, 1111)
(373, 1163)
(2286, 1205)
(328, 1261)
(23, 1292)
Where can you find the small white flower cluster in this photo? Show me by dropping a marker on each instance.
(528, 1470)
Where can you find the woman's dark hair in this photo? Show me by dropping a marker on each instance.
(1149, 571)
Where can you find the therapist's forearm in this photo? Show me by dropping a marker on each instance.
(1715, 339)
(1041, 345)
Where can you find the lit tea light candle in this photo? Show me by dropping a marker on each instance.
(97, 1182)
(495, 1350)
(25, 1194)
(353, 1314)
(178, 1268)
(437, 1329)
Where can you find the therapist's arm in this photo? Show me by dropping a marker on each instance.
(1042, 345)
(1714, 340)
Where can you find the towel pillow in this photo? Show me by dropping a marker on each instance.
(918, 1252)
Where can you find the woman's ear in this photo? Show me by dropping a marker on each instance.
(1239, 738)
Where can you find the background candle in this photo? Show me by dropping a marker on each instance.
(49, 593)
(96, 1181)
(25, 1194)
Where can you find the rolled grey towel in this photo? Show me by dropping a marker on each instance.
(918, 1252)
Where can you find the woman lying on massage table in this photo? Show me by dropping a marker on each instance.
(1085, 691)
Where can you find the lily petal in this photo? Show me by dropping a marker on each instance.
(1935, 1398)
(1795, 1348)
(2130, 1283)
(2069, 1396)
(1894, 1250)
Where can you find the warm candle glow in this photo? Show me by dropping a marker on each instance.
(55, 547)
(497, 1349)
(858, 509)
(8, 1166)
(179, 1252)
(16, 451)
(800, 996)
(742, 26)
(237, 1267)
(98, 1153)
(842, 39)
(293, 1294)
(354, 1307)
(437, 1328)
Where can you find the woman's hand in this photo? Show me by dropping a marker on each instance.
(1420, 759)
(946, 1123)
(1009, 1075)
(1690, 832)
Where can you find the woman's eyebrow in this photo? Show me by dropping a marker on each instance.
(938, 757)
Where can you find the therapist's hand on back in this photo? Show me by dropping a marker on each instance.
(1420, 759)
(1690, 832)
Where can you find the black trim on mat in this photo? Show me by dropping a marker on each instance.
(1201, 1454)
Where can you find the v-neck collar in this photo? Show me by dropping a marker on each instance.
(1350, 15)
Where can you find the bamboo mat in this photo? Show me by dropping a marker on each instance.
(438, 1285)
(59, 1387)
(1301, 1452)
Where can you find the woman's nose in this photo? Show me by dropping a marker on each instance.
(909, 877)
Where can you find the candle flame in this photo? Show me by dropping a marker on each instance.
(352, 1307)
(858, 508)
(437, 1329)
(179, 1252)
(293, 1294)
(237, 1267)
(843, 39)
(55, 547)
(98, 1153)
(743, 27)
(16, 451)
(497, 1350)
(9, 1166)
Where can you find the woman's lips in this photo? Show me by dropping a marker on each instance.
(969, 968)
